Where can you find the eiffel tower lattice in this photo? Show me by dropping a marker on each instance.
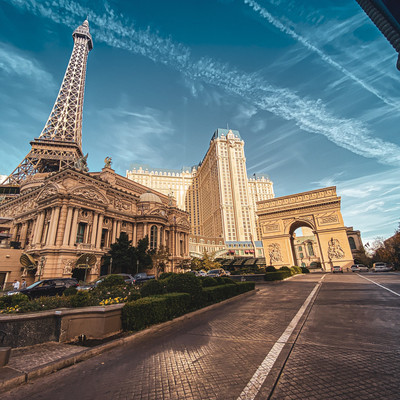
(60, 143)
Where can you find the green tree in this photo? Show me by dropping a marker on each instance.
(206, 262)
(121, 255)
(142, 254)
(159, 258)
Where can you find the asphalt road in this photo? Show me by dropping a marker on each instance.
(333, 336)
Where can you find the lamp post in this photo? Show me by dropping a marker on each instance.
(110, 266)
(137, 266)
(86, 267)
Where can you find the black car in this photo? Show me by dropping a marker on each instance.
(47, 287)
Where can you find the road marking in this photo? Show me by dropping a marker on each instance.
(255, 383)
(391, 291)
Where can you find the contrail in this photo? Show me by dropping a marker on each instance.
(309, 115)
(306, 43)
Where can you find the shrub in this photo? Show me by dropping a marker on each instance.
(134, 295)
(277, 276)
(70, 291)
(296, 269)
(12, 301)
(305, 270)
(228, 280)
(270, 268)
(243, 287)
(82, 299)
(110, 281)
(166, 275)
(184, 283)
(45, 303)
(147, 311)
(151, 288)
(219, 280)
(207, 281)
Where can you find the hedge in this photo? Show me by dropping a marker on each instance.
(277, 276)
(148, 311)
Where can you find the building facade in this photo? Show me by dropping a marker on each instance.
(57, 218)
(218, 195)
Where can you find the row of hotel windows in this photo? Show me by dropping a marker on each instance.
(153, 240)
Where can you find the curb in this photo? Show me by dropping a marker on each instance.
(22, 377)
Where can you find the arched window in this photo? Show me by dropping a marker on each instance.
(352, 243)
(310, 249)
(153, 237)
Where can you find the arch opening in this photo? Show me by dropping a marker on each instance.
(305, 247)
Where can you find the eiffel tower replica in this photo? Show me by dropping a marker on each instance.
(60, 143)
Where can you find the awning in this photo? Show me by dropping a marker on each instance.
(85, 260)
(27, 261)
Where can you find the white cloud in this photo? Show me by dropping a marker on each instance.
(14, 63)
(370, 203)
(265, 14)
(309, 115)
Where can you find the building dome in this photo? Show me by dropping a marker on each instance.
(150, 197)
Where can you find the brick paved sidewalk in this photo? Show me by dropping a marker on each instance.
(31, 362)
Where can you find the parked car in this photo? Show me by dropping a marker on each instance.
(142, 277)
(381, 267)
(47, 287)
(216, 272)
(359, 268)
(90, 285)
(337, 268)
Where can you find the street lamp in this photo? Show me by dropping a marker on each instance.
(86, 267)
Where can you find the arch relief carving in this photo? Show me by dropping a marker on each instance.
(335, 249)
(89, 193)
(274, 252)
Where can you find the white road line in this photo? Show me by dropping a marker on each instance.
(383, 287)
(255, 383)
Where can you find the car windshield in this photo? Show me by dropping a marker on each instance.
(34, 284)
(213, 271)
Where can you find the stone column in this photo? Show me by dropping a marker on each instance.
(114, 231)
(74, 227)
(50, 229)
(61, 226)
(39, 231)
(118, 230)
(145, 226)
(67, 229)
(134, 238)
(94, 229)
(54, 226)
(99, 231)
(22, 237)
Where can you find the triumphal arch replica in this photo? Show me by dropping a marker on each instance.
(318, 210)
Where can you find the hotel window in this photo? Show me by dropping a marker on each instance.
(153, 237)
(81, 232)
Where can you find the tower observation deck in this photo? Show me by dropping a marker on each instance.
(60, 143)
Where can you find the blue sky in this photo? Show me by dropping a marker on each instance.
(311, 86)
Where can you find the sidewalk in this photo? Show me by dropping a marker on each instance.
(27, 363)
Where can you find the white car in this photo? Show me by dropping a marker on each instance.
(381, 267)
(359, 268)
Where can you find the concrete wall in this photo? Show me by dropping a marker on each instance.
(63, 325)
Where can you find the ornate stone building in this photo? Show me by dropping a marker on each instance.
(69, 218)
(60, 216)
(218, 194)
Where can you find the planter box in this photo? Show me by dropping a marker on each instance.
(62, 325)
